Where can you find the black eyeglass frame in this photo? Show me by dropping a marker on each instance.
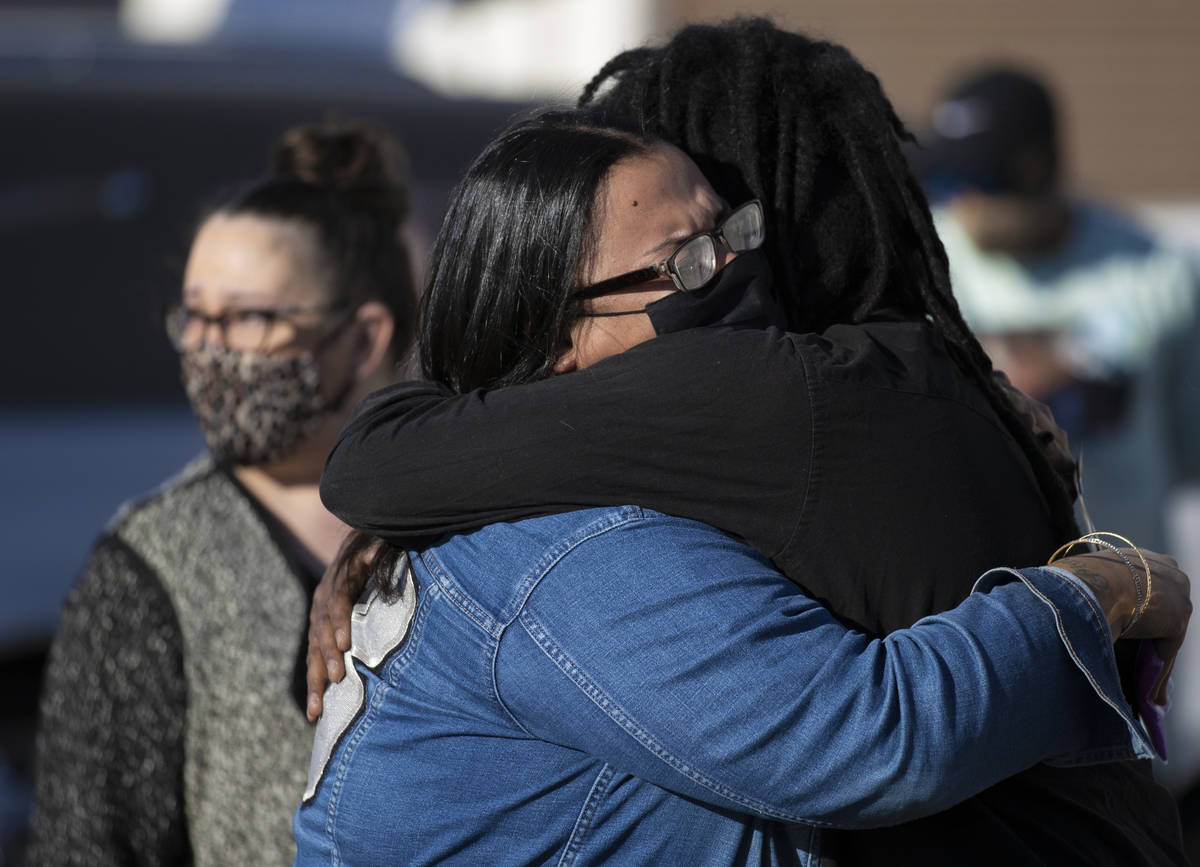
(667, 268)
(174, 312)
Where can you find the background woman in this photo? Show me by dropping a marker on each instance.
(172, 727)
(616, 684)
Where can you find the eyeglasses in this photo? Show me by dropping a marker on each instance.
(246, 328)
(694, 262)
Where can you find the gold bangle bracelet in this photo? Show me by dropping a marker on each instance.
(1093, 538)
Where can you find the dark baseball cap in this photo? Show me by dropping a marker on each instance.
(984, 130)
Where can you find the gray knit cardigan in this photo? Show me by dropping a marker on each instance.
(170, 728)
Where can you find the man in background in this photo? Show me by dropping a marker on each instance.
(1080, 306)
(1087, 312)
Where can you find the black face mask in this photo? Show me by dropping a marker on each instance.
(742, 295)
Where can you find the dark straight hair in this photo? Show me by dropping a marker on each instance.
(518, 231)
(515, 239)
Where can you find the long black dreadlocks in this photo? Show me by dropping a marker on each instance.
(801, 125)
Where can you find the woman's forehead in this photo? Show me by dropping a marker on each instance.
(661, 189)
(663, 174)
(245, 260)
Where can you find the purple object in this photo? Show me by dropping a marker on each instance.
(1148, 668)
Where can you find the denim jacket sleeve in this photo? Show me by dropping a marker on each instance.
(677, 655)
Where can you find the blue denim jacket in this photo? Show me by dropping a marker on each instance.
(620, 686)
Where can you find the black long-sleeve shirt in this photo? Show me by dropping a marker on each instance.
(861, 461)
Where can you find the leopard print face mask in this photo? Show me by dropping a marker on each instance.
(253, 407)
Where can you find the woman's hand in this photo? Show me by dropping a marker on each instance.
(329, 624)
(1165, 614)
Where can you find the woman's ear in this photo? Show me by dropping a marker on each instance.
(566, 361)
(376, 325)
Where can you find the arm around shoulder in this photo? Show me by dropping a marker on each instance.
(416, 461)
(677, 655)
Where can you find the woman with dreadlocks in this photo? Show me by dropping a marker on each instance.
(877, 466)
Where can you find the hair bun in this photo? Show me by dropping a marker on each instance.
(359, 161)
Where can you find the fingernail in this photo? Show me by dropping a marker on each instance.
(313, 702)
(341, 637)
(329, 667)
